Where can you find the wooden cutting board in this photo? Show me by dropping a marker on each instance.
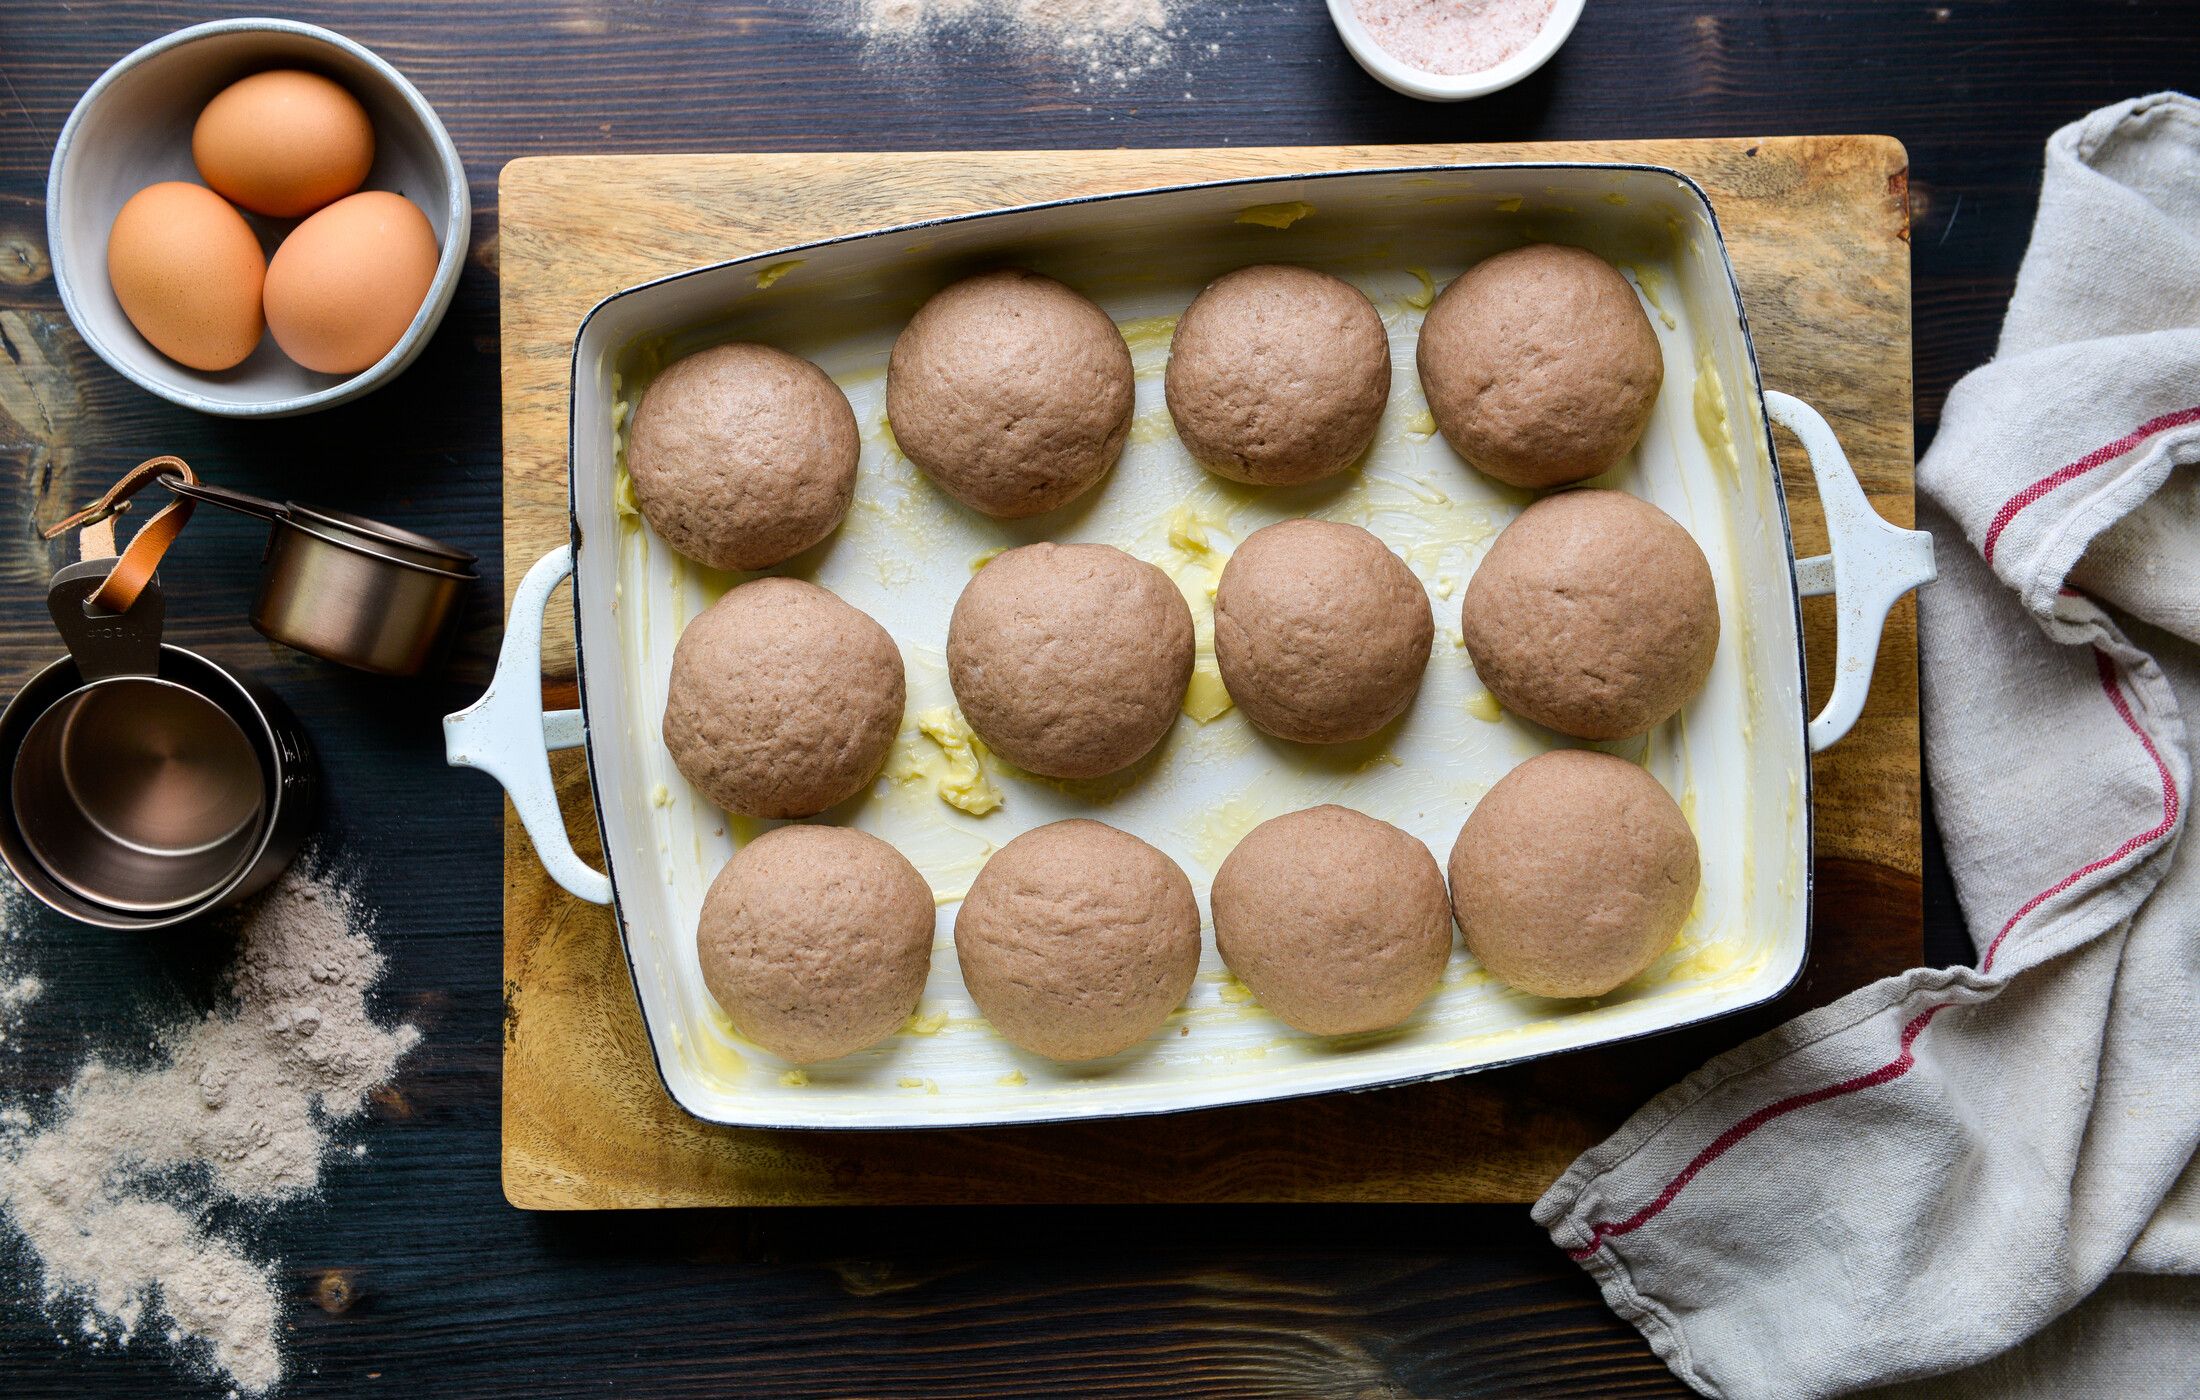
(1819, 231)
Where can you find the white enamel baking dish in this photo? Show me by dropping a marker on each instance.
(1738, 758)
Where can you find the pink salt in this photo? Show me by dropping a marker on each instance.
(1453, 36)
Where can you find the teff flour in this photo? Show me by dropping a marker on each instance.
(239, 1101)
(1116, 39)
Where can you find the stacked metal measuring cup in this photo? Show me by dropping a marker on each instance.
(149, 784)
(348, 589)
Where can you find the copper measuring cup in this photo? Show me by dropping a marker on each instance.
(348, 589)
(146, 783)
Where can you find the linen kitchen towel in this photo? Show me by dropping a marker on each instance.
(1920, 1177)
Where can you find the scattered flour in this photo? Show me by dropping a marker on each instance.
(18, 987)
(1116, 40)
(17, 990)
(112, 1188)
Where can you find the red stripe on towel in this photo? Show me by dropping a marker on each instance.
(1887, 1073)
(2170, 805)
(1903, 1061)
(2091, 460)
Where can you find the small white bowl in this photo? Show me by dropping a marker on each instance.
(1402, 77)
(132, 128)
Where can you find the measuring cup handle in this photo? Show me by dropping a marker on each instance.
(105, 643)
(242, 502)
(507, 735)
(132, 571)
(1871, 565)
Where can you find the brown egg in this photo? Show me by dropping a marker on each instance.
(347, 282)
(188, 272)
(283, 143)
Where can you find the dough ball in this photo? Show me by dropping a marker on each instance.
(1336, 921)
(1077, 940)
(1540, 366)
(1321, 633)
(1278, 375)
(1070, 660)
(1573, 874)
(783, 700)
(1593, 614)
(816, 941)
(743, 455)
(1012, 392)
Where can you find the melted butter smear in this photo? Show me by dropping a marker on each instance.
(1706, 960)
(768, 275)
(1225, 827)
(1189, 537)
(1651, 283)
(946, 752)
(1424, 298)
(1207, 699)
(712, 1053)
(1148, 334)
(1712, 426)
(1275, 215)
(1152, 427)
(1196, 563)
(622, 485)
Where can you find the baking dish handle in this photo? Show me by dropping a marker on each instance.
(1871, 565)
(507, 735)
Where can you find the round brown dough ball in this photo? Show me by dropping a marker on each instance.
(1540, 366)
(1011, 391)
(816, 941)
(1278, 375)
(1321, 633)
(1336, 921)
(1572, 874)
(743, 456)
(783, 700)
(1070, 660)
(1593, 614)
(1077, 940)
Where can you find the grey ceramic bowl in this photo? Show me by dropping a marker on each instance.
(133, 129)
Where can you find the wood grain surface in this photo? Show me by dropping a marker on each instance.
(1818, 228)
(408, 1274)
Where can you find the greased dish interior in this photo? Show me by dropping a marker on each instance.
(1735, 757)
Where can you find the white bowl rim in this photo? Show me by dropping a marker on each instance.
(1453, 87)
(458, 208)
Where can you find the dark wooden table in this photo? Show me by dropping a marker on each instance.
(445, 1290)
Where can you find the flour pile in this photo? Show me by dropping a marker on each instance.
(112, 1192)
(1112, 39)
(18, 987)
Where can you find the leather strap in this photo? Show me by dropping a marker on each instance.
(135, 568)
